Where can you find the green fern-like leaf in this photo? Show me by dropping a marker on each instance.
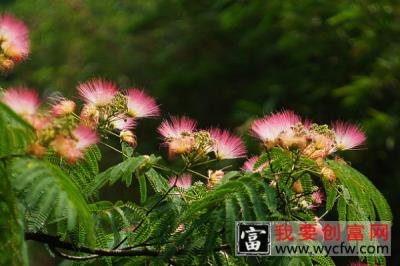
(15, 120)
(48, 189)
(142, 187)
(323, 261)
(122, 170)
(366, 198)
(243, 202)
(341, 209)
(231, 212)
(255, 199)
(331, 194)
(14, 139)
(157, 181)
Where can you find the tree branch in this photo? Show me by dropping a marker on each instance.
(55, 242)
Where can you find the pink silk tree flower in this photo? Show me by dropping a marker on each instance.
(21, 100)
(122, 122)
(226, 145)
(184, 181)
(63, 107)
(307, 123)
(347, 135)
(39, 122)
(66, 148)
(180, 145)
(84, 137)
(178, 135)
(317, 198)
(14, 38)
(177, 127)
(248, 165)
(141, 105)
(320, 147)
(89, 115)
(214, 178)
(98, 92)
(128, 137)
(72, 149)
(269, 128)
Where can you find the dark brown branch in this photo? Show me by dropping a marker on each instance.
(55, 242)
(71, 257)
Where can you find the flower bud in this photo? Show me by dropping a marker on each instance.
(11, 51)
(328, 174)
(214, 178)
(67, 148)
(340, 160)
(320, 162)
(309, 149)
(89, 115)
(292, 142)
(37, 150)
(39, 122)
(128, 137)
(318, 154)
(298, 187)
(317, 198)
(181, 145)
(64, 107)
(304, 204)
(180, 228)
(269, 144)
(6, 64)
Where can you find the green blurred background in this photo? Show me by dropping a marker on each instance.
(227, 62)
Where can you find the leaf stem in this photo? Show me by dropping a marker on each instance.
(111, 147)
(205, 162)
(197, 173)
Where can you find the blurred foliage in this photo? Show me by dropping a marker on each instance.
(225, 62)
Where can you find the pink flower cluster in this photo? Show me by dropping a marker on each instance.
(106, 107)
(14, 42)
(248, 165)
(182, 182)
(182, 138)
(287, 130)
(68, 141)
(60, 130)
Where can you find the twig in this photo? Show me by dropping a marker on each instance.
(205, 162)
(112, 133)
(71, 257)
(151, 209)
(55, 244)
(327, 211)
(160, 167)
(111, 147)
(197, 173)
